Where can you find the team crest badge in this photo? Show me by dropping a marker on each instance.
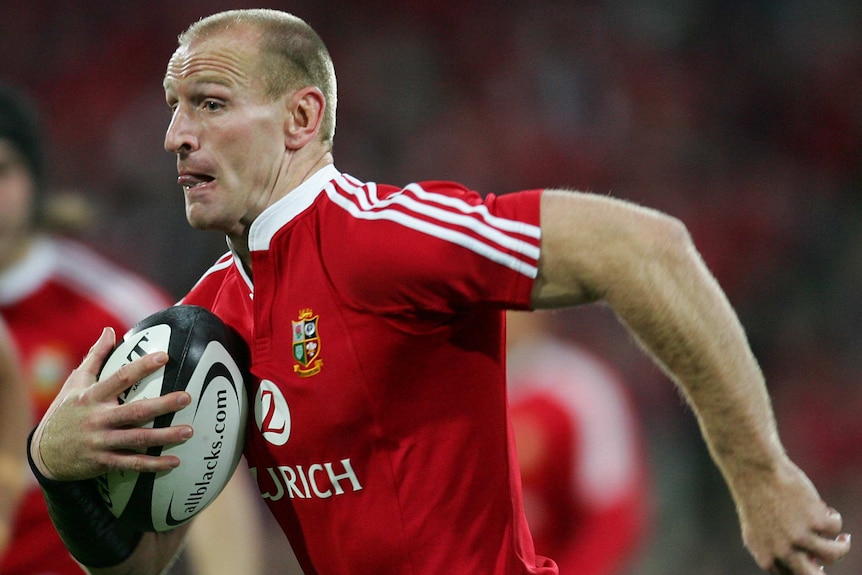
(306, 344)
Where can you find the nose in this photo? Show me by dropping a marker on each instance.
(180, 136)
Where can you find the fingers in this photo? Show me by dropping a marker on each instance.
(119, 381)
(831, 524)
(137, 413)
(87, 431)
(810, 559)
(827, 544)
(827, 550)
(83, 377)
(126, 440)
(798, 564)
(129, 446)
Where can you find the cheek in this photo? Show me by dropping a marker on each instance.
(261, 142)
(264, 151)
(256, 168)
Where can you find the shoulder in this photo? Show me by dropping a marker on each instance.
(440, 209)
(349, 191)
(429, 244)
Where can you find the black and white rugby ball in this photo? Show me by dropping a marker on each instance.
(209, 361)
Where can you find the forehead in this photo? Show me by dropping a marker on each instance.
(227, 57)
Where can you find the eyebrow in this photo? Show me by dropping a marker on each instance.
(207, 79)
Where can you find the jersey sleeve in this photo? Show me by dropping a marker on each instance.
(436, 247)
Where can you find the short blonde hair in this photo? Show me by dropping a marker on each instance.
(293, 54)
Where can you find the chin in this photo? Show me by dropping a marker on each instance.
(201, 221)
(207, 225)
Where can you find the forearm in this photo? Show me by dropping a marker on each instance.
(690, 329)
(645, 267)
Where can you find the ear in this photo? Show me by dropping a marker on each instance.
(305, 114)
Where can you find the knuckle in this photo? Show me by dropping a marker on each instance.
(125, 373)
(138, 440)
(111, 464)
(138, 412)
(139, 465)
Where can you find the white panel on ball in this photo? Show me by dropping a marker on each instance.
(218, 414)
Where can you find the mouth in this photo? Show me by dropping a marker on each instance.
(190, 181)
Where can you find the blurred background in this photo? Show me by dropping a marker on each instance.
(742, 118)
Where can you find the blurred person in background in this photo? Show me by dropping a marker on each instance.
(586, 486)
(56, 295)
(15, 415)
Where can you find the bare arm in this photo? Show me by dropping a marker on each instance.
(15, 415)
(86, 433)
(645, 267)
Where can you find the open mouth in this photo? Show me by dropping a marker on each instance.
(191, 181)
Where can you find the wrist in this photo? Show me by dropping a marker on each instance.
(747, 469)
(34, 457)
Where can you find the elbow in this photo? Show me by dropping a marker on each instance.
(656, 260)
(669, 240)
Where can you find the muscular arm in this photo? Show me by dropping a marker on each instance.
(645, 267)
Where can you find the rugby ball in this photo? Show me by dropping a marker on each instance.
(209, 361)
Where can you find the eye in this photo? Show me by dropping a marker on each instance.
(212, 105)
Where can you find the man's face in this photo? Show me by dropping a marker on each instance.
(227, 134)
(17, 192)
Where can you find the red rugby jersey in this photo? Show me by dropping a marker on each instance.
(380, 439)
(56, 301)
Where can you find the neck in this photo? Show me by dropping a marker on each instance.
(296, 177)
(239, 244)
(301, 171)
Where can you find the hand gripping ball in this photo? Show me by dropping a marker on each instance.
(208, 360)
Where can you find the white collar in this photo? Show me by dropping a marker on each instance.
(273, 218)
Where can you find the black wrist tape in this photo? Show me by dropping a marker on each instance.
(89, 530)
